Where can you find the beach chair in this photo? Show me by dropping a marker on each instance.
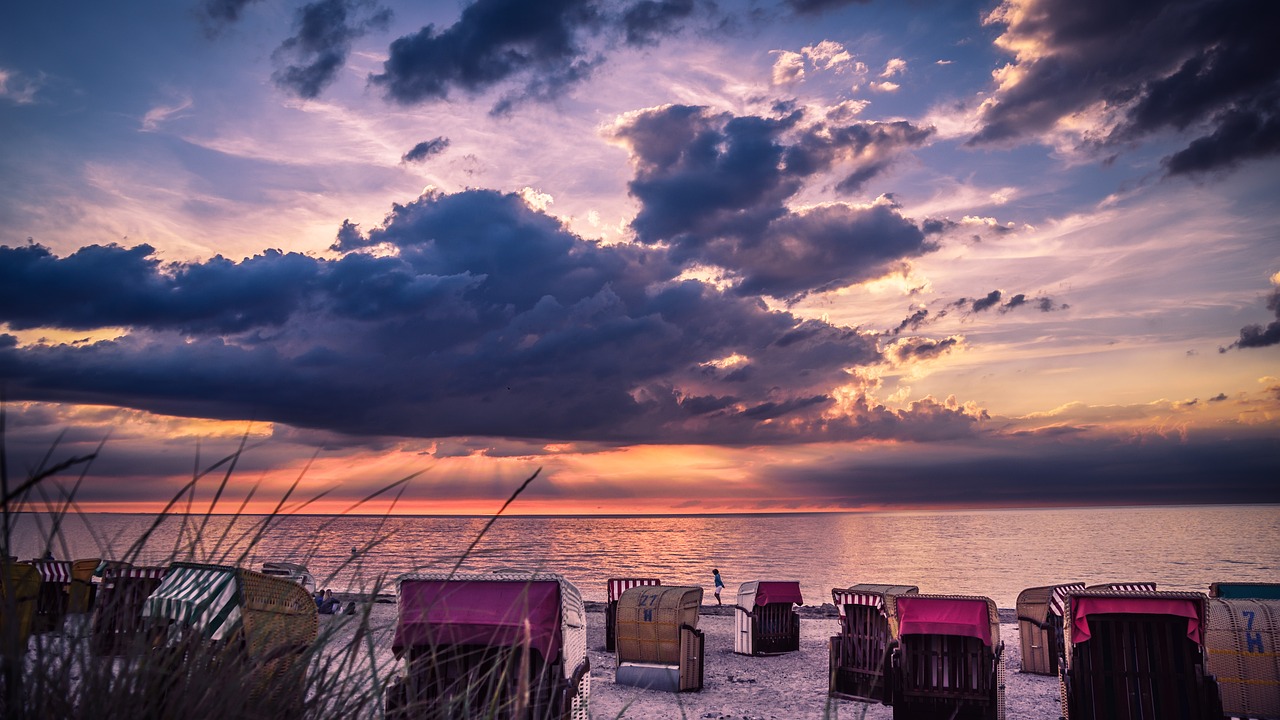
(232, 622)
(617, 586)
(1242, 654)
(765, 618)
(51, 604)
(858, 656)
(659, 644)
(948, 661)
(117, 624)
(1136, 656)
(1040, 626)
(1256, 591)
(501, 646)
(19, 592)
(293, 572)
(82, 592)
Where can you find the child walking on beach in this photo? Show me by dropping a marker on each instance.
(719, 585)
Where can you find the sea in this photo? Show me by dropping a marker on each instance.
(994, 553)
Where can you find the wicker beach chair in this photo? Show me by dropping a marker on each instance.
(236, 623)
(1040, 626)
(81, 593)
(859, 654)
(19, 591)
(1240, 644)
(659, 644)
(765, 618)
(1136, 656)
(502, 646)
(617, 586)
(51, 604)
(948, 659)
(1255, 591)
(117, 625)
(292, 572)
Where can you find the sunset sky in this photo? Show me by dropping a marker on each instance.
(682, 255)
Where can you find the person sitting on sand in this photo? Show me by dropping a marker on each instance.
(326, 604)
(719, 585)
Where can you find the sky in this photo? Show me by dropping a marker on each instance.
(673, 255)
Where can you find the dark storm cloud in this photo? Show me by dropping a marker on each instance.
(714, 187)
(912, 322)
(986, 303)
(492, 41)
(486, 318)
(921, 349)
(325, 31)
(804, 7)
(1257, 336)
(1210, 68)
(426, 149)
(645, 22)
(1068, 469)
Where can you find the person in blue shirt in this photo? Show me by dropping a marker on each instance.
(719, 585)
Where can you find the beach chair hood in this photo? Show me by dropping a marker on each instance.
(507, 613)
(205, 598)
(760, 593)
(966, 617)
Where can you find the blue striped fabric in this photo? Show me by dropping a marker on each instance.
(205, 598)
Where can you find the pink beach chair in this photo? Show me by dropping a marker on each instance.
(510, 646)
(765, 618)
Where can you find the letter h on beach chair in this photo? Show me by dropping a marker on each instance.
(1136, 656)
(659, 644)
(948, 659)
(859, 654)
(509, 646)
(235, 625)
(1040, 626)
(617, 586)
(765, 619)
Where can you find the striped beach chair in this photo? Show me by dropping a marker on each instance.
(1125, 587)
(948, 659)
(617, 586)
(659, 644)
(1136, 655)
(765, 619)
(502, 646)
(858, 656)
(221, 619)
(51, 604)
(1040, 626)
(117, 625)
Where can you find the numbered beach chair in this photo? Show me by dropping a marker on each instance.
(765, 619)
(503, 646)
(947, 662)
(617, 586)
(1136, 656)
(1040, 626)
(232, 622)
(117, 625)
(1256, 591)
(859, 654)
(659, 644)
(51, 604)
(19, 592)
(1243, 655)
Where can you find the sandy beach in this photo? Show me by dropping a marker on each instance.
(792, 686)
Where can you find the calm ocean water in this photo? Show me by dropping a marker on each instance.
(993, 553)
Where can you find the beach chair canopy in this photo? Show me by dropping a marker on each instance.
(1130, 587)
(867, 594)
(205, 598)
(1255, 591)
(498, 610)
(760, 593)
(53, 571)
(1082, 606)
(650, 619)
(617, 586)
(924, 615)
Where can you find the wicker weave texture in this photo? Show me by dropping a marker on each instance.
(1241, 642)
(649, 621)
(19, 588)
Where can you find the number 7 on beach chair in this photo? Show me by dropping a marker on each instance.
(509, 646)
